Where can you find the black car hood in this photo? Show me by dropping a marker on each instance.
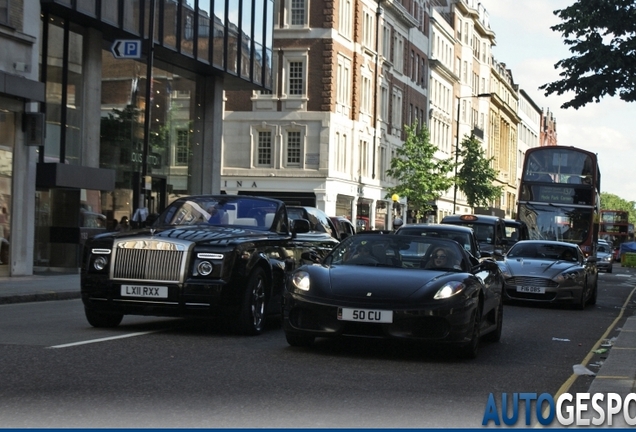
(378, 282)
(538, 267)
(198, 234)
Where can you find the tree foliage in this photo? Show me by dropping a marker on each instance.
(602, 38)
(476, 176)
(420, 177)
(613, 202)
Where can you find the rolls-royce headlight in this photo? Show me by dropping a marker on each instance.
(449, 290)
(300, 280)
(100, 263)
(205, 268)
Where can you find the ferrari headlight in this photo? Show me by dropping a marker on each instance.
(300, 280)
(449, 290)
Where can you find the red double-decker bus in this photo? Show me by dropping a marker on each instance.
(559, 195)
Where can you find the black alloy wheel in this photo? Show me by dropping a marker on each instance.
(594, 294)
(495, 335)
(102, 320)
(580, 305)
(471, 348)
(251, 319)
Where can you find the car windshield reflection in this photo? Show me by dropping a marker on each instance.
(218, 211)
(411, 252)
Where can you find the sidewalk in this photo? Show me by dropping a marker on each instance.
(22, 289)
(617, 374)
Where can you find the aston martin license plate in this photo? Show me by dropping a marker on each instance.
(531, 289)
(365, 315)
(144, 291)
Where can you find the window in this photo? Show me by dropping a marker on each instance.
(364, 158)
(182, 148)
(296, 78)
(4, 11)
(343, 97)
(396, 118)
(264, 148)
(344, 26)
(293, 148)
(368, 30)
(340, 152)
(384, 104)
(365, 104)
(297, 13)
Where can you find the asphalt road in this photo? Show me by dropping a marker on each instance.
(57, 371)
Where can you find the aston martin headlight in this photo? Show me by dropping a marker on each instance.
(100, 263)
(205, 268)
(572, 275)
(449, 290)
(300, 280)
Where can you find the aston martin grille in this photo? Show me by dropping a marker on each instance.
(150, 260)
(532, 281)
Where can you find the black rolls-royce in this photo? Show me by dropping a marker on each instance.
(205, 256)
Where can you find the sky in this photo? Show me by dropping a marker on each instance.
(530, 49)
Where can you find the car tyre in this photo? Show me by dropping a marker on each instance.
(251, 318)
(103, 320)
(299, 340)
(609, 270)
(594, 294)
(470, 349)
(495, 335)
(582, 301)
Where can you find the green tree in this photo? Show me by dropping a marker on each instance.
(476, 175)
(420, 177)
(613, 202)
(602, 38)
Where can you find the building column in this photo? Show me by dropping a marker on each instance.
(354, 212)
(91, 97)
(372, 215)
(205, 172)
(23, 200)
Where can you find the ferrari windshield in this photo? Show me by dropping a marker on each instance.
(400, 252)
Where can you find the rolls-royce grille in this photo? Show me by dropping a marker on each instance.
(532, 281)
(149, 260)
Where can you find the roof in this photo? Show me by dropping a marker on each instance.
(550, 242)
(512, 222)
(477, 218)
(439, 227)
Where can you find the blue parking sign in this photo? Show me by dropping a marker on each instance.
(126, 49)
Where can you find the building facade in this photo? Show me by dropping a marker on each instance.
(529, 129)
(122, 114)
(351, 73)
(502, 142)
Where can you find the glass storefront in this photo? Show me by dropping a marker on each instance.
(122, 136)
(7, 139)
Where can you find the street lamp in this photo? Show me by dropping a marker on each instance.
(459, 100)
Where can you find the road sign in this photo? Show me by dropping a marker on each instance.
(126, 49)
